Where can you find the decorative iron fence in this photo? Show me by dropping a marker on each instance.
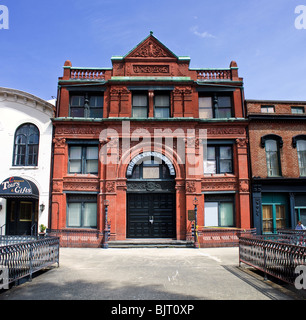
(11, 239)
(22, 256)
(275, 255)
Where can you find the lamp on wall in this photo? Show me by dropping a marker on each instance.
(42, 207)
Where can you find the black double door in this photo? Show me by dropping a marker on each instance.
(151, 215)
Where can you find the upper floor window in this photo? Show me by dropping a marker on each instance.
(158, 106)
(86, 106)
(215, 107)
(272, 156)
(161, 105)
(83, 159)
(26, 145)
(219, 159)
(299, 142)
(301, 151)
(297, 110)
(272, 144)
(140, 105)
(267, 109)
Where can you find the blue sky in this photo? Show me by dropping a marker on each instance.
(260, 35)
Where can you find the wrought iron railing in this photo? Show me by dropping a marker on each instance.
(274, 255)
(297, 237)
(22, 256)
(12, 239)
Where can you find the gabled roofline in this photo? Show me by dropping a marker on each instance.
(145, 39)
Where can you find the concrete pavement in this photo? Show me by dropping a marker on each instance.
(146, 274)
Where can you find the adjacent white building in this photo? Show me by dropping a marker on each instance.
(25, 160)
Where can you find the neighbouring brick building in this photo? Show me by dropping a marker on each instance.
(135, 135)
(277, 140)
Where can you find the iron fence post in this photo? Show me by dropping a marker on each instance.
(105, 240)
(58, 248)
(30, 257)
(265, 262)
(195, 203)
(239, 246)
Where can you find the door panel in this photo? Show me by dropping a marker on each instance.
(150, 215)
(21, 216)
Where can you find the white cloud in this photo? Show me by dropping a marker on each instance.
(204, 34)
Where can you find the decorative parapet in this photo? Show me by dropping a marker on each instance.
(211, 74)
(214, 74)
(87, 74)
(76, 73)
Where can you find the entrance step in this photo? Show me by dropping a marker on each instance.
(150, 243)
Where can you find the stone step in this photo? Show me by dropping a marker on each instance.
(150, 243)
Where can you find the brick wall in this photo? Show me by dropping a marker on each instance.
(281, 108)
(285, 128)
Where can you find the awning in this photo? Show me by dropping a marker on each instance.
(17, 187)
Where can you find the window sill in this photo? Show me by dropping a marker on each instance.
(82, 175)
(80, 229)
(216, 175)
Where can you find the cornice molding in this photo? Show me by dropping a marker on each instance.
(21, 97)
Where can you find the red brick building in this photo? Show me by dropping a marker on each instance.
(150, 135)
(277, 139)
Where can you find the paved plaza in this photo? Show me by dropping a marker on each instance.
(148, 274)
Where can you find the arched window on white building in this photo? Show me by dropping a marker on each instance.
(26, 145)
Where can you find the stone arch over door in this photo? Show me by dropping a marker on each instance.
(120, 219)
(164, 152)
(151, 205)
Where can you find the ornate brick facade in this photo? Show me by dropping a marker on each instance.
(177, 140)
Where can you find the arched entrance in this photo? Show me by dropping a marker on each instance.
(151, 197)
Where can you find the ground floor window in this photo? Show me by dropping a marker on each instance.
(219, 211)
(274, 216)
(301, 214)
(82, 211)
